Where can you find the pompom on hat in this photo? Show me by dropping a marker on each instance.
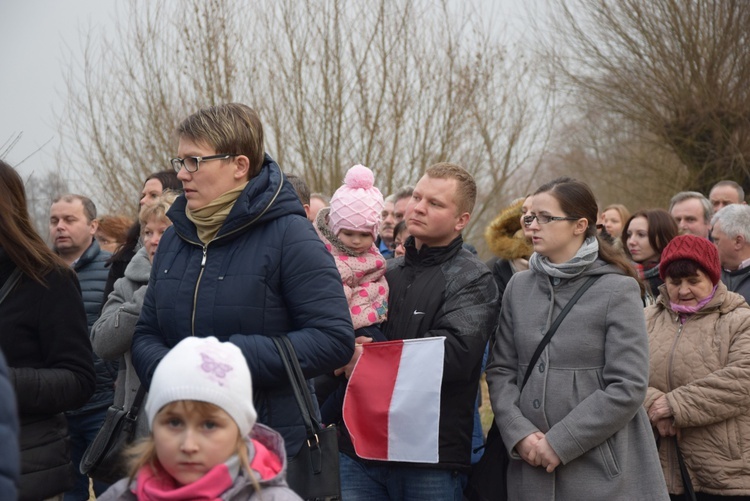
(700, 250)
(358, 204)
(205, 370)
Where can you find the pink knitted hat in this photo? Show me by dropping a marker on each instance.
(357, 205)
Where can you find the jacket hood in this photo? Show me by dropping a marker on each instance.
(139, 268)
(502, 234)
(723, 301)
(266, 197)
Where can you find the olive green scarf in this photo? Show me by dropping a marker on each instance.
(208, 219)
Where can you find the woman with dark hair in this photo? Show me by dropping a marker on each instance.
(577, 428)
(155, 184)
(645, 236)
(699, 337)
(44, 336)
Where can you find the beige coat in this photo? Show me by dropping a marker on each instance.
(703, 366)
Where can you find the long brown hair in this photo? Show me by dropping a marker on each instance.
(18, 237)
(661, 229)
(577, 200)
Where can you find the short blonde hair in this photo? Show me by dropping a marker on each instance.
(466, 188)
(233, 129)
(158, 209)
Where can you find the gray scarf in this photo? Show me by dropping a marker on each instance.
(586, 255)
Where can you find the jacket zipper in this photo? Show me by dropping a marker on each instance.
(671, 457)
(205, 250)
(195, 292)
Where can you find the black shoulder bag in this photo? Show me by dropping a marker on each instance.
(314, 471)
(489, 477)
(103, 459)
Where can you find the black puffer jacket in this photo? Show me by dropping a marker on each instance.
(45, 340)
(446, 291)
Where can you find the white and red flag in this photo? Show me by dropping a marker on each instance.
(392, 402)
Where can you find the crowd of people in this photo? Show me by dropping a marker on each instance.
(639, 390)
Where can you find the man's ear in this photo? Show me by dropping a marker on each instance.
(93, 226)
(242, 167)
(463, 220)
(739, 242)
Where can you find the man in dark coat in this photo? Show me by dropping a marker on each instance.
(731, 234)
(242, 263)
(437, 289)
(72, 227)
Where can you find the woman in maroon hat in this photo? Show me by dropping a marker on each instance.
(699, 336)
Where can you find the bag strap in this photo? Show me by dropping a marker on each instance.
(11, 282)
(133, 412)
(686, 482)
(553, 328)
(297, 388)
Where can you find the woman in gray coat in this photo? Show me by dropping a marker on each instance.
(112, 334)
(578, 429)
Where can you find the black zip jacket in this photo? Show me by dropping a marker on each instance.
(446, 291)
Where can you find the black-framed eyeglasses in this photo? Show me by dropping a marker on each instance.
(192, 164)
(544, 219)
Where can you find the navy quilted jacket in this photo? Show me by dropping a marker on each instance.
(266, 273)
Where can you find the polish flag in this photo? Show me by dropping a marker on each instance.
(392, 402)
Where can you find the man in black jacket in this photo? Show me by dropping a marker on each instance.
(437, 289)
(72, 227)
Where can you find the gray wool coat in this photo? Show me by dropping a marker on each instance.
(112, 334)
(586, 392)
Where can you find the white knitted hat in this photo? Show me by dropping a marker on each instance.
(205, 370)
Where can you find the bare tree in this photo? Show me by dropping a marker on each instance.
(40, 192)
(675, 71)
(395, 85)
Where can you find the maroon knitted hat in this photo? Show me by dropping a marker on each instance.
(700, 250)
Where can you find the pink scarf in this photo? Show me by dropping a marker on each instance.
(160, 486)
(686, 311)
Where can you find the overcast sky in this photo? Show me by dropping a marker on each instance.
(33, 35)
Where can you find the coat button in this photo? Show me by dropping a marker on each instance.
(541, 367)
(536, 403)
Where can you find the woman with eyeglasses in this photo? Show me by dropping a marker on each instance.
(577, 428)
(242, 263)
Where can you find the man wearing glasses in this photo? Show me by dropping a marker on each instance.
(242, 263)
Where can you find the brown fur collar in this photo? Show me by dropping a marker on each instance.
(502, 234)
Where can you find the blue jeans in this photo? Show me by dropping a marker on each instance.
(83, 428)
(365, 482)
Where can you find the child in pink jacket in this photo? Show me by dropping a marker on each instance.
(349, 229)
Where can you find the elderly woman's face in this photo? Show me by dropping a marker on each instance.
(689, 291)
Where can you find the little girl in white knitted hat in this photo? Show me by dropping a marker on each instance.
(205, 442)
(349, 229)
